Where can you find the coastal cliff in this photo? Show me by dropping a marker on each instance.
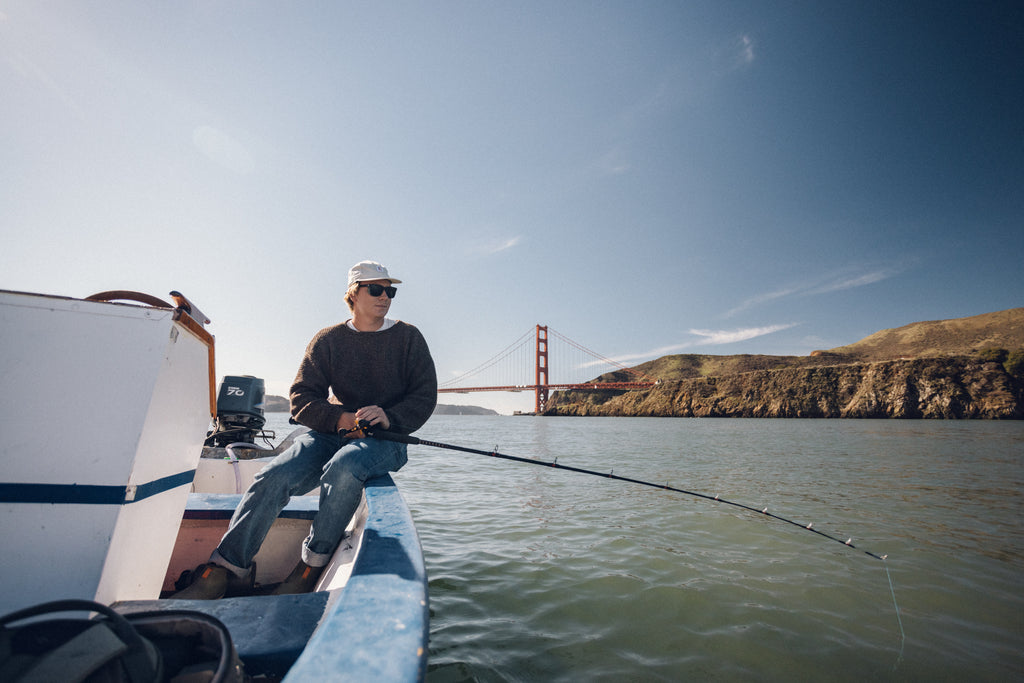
(958, 368)
(919, 388)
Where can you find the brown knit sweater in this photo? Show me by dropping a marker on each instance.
(391, 368)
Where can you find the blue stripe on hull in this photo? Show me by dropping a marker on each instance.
(90, 494)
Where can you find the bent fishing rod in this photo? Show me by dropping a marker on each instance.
(364, 428)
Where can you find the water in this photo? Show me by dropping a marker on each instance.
(539, 574)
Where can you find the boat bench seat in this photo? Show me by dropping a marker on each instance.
(270, 631)
(375, 628)
(222, 506)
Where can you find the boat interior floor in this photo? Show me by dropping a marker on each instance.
(269, 632)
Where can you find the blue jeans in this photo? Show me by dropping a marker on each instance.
(340, 467)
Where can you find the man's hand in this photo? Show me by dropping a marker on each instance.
(375, 415)
(348, 422)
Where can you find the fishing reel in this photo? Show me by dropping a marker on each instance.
(362, 430)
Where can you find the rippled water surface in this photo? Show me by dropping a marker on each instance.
(540, 574)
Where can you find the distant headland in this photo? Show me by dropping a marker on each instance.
(443, 409)
(279, 404)
(961, 368)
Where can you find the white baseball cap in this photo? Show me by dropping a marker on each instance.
(369, 270)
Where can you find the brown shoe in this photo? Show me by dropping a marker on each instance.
(212, 582)
(209, 582)
(302, 580)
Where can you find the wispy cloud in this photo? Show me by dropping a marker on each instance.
(734, 53)
(707, 337)
(834, 282)
(744, 51)
(762, 299)
(633, 357)
(502, 245)
(861, 280)
(733, 336)
(480, 247)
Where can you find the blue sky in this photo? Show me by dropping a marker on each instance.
(644, 177)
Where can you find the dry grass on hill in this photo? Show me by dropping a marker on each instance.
(957, 337)
(934, 338)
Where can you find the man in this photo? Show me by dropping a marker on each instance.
(370, 368)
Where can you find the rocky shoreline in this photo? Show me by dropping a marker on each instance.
(928, 388)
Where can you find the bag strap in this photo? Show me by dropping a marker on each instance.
(141, 660)
(76, 659)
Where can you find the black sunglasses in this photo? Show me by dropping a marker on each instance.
(377, 290)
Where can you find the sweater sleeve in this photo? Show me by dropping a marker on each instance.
(417, 405)
(311, 390)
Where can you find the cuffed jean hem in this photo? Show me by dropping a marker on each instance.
(315, 559)
(240, 572)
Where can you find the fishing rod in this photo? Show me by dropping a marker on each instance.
(365, 428)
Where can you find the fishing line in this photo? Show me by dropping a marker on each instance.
(899, 620)
(416, 441)
(365, 428)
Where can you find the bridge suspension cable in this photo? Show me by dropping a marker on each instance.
(524, 366)
(503, 355)
(619, 366)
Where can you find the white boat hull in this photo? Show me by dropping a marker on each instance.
(105, 410)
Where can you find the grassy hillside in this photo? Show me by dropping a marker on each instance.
(957, 337)
(930, 339)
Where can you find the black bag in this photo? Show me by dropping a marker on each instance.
(161, 646)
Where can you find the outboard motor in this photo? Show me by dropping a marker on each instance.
(239, 411)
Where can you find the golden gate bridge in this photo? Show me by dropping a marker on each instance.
(527, 358)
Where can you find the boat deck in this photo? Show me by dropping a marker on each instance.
(375, 628)
(270, 632)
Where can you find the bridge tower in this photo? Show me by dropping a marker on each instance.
(542, 370)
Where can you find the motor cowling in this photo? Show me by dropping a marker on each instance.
(239, 411)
